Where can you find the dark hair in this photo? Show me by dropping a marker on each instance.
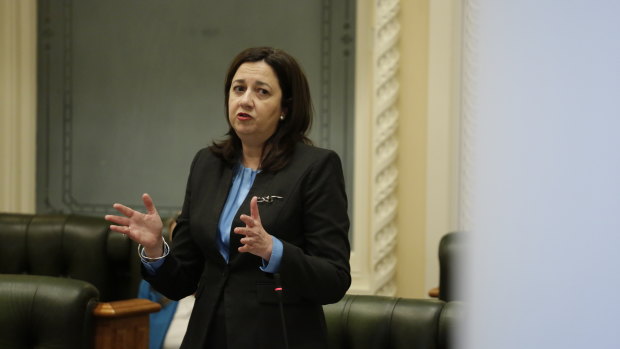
(295, 100)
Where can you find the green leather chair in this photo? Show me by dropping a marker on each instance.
(46, 312)
(452, 249)
(377, 322)
(451, 254)
(81, 248)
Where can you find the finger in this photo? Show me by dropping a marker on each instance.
(247, 247)
(124, 209)
(243, 231)
(117, 219)
(249, 221)
(148, 204)
(239, 231)
(120, 229)
(254, 208)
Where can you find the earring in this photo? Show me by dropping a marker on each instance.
(282, 117)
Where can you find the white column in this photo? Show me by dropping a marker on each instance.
(17, 105)
(444, 69)
(373, 261)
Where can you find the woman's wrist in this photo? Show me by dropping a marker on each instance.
(269, 251)
(154, 254)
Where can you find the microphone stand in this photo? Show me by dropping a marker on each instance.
(278, 289)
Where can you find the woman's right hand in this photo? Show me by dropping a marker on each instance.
(145, 229)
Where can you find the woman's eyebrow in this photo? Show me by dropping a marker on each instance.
(258, 82)
(261, 83)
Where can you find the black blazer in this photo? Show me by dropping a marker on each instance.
(311, 221)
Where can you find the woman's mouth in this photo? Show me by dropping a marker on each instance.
(244, 116)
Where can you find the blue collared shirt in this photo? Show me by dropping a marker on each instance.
(242, 182)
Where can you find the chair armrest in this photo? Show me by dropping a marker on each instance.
(127, 307)
(123, 324)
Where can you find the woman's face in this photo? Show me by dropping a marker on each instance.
(254, 103)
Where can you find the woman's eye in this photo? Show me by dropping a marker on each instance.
(238, 88)
(262, 91)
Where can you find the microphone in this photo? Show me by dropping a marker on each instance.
(278, 289)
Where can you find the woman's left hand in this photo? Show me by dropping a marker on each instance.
(256, 241)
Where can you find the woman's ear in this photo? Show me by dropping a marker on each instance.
(283, 113)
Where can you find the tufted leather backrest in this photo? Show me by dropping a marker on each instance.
(45, 312)
(71, 246)
(377, 322)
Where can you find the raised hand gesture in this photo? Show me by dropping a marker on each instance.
(256, 241)
(145, 229)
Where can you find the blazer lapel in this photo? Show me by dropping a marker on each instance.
(217, 195)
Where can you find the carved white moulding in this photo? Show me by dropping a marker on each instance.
(385, 146)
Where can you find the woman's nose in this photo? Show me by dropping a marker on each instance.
(246, 100)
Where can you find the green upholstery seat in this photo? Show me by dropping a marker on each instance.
(45, 312)
(377, 322)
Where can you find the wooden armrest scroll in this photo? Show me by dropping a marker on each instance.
(127, 307)
(123, 324)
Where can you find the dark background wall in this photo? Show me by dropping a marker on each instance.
(130, 90)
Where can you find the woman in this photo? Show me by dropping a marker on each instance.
(294, 237)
